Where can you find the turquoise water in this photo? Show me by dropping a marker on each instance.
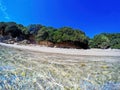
(25, 70)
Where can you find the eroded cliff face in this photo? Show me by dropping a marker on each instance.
(65, 44)
(46, 43)
(72, 44)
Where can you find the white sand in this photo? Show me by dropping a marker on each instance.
(94, 52)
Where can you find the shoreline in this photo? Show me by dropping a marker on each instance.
(86, 52)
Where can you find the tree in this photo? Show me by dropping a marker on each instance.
(23, 29)
(12, 29)
(33, 28)
(2, 28)
(100, 41)
(42, 34)
(115, 41)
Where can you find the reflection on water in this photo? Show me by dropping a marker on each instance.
(25, 70)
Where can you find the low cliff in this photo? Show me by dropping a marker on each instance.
(65, 44)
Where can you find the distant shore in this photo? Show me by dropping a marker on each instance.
(92, 52)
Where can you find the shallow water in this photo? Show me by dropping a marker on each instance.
(26, 70)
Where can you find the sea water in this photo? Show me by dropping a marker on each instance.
(27, 70)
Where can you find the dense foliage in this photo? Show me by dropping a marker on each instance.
(38, 32)
(106, 40)
(60, 35)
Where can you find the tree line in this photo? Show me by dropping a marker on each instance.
(40, 32)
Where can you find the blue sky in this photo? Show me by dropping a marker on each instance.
(91, 16)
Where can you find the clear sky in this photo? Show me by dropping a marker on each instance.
(91, 16)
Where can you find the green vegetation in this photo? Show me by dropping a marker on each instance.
(105, 40)
(37, 33)
(60, 35)
(10, 28)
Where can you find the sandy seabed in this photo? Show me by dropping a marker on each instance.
(33, 67)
